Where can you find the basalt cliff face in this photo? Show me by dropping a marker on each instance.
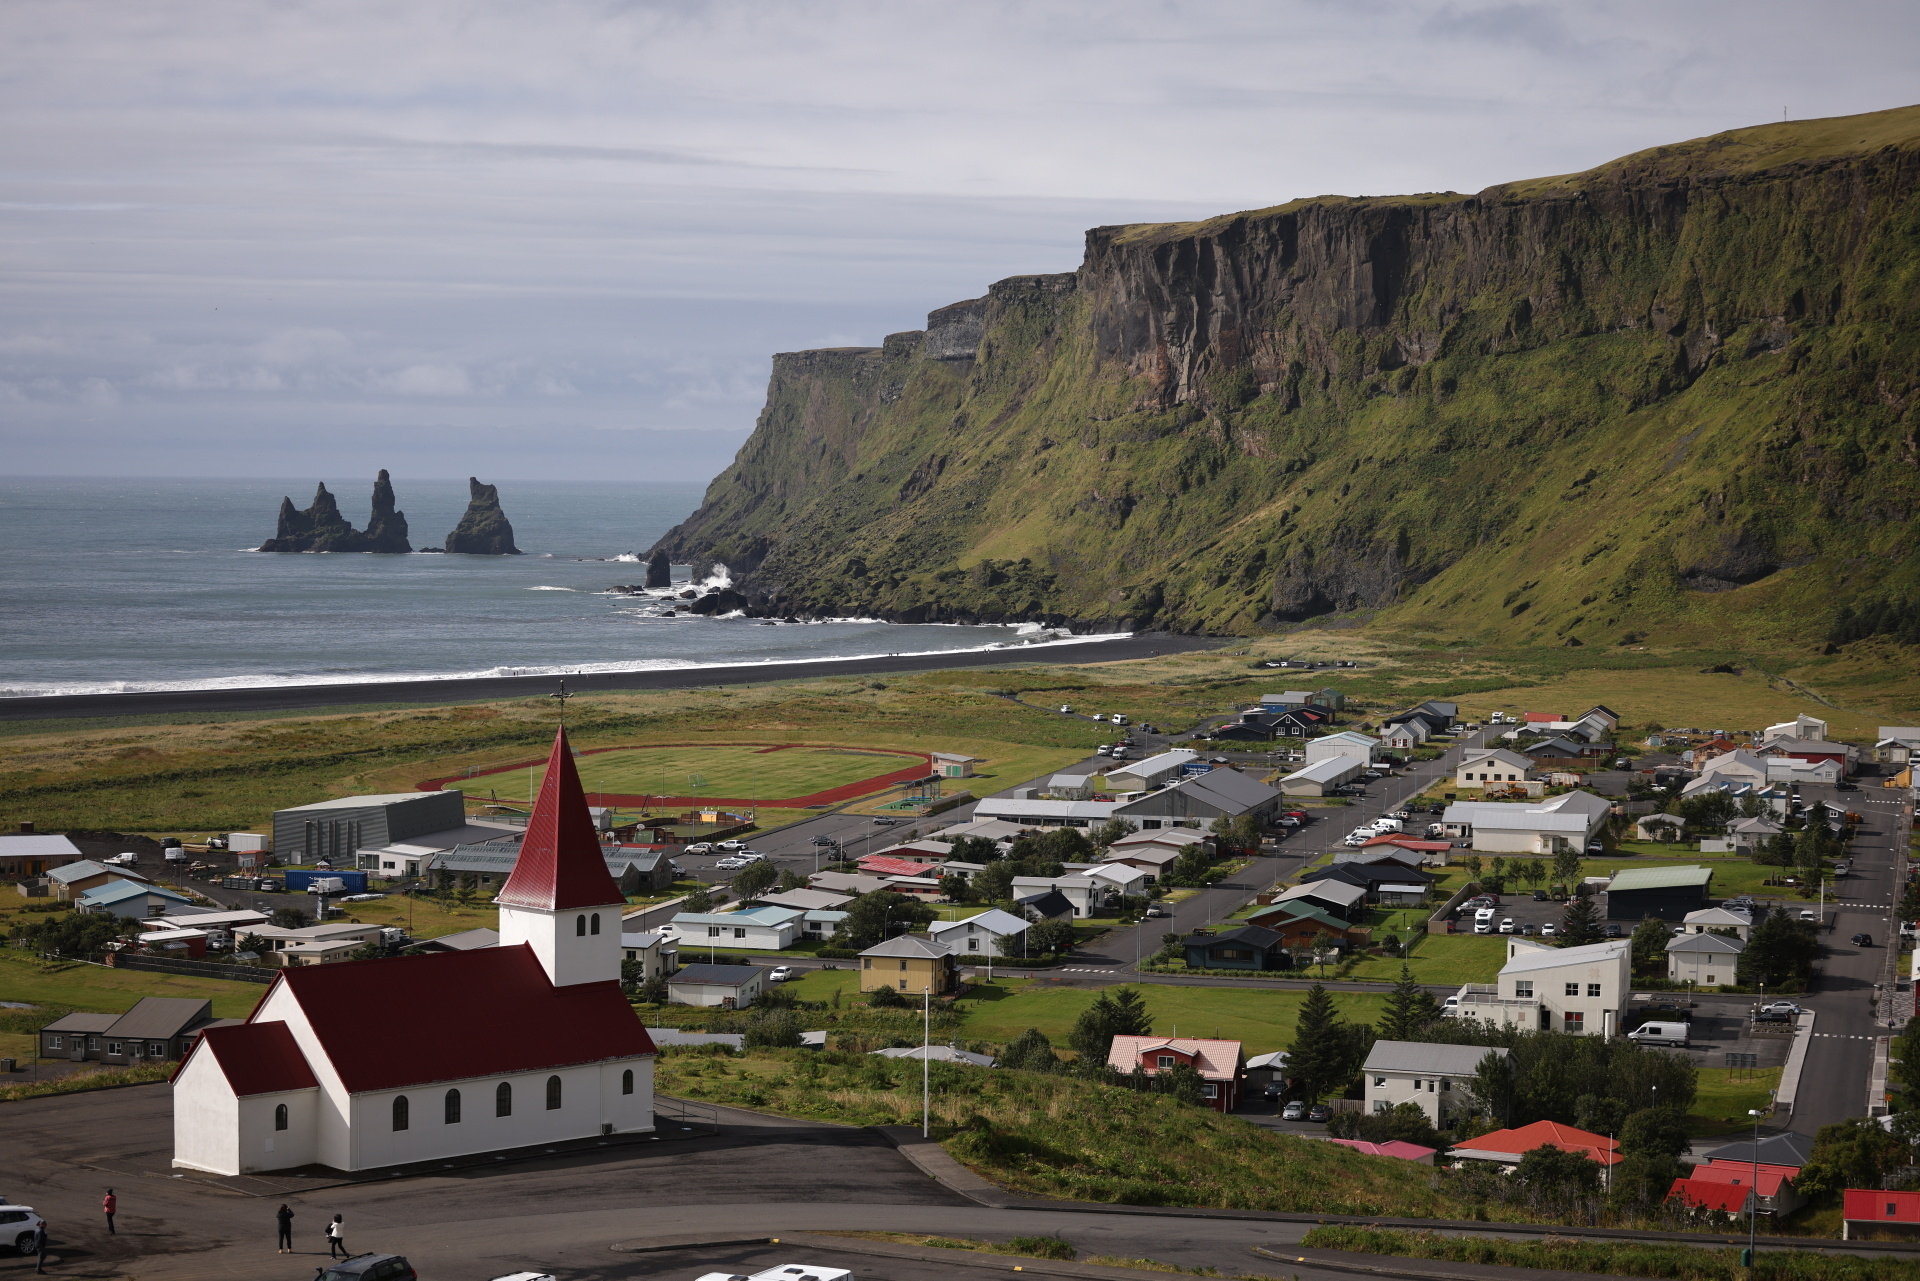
(484, 530)
(1674, 392)
(321, 527)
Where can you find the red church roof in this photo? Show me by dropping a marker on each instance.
(449, 1016)
(256, 1058)
(560, 867)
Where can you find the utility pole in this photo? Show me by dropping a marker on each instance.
(926, 1053)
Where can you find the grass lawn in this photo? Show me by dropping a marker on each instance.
(1725, 1094)
(1442, 958)
(714, 769)
(80, 986)
(1261, 1018)
(430, 917)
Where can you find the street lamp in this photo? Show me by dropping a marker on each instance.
(1753, 1215)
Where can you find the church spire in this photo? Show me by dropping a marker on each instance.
(560, 866)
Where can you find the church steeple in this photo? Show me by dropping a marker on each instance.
(561, 898)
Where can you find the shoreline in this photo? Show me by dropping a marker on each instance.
(487, 688)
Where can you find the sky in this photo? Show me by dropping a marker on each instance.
(555, 240)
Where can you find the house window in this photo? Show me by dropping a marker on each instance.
(553, 1094)
(866, 962)
(713, 931)
(1575, 1021)
(1379, 1082)
(156, 1049)
(1573, 989)
(453, 1107)
(113, 1047)
(1523, 989)
(1712, 979)
(739, 932)
(93, 1042)
(1166, 1060)
(503, 1099)
(55, 1043)
(903, 965)
(1593, 989)
(626, 1081)
(280, 1117)
(973, 945)
(594, 928)
(1446, 1086)
(1209, 1091)
(399, 1111)
(580, 926)
(903, 985)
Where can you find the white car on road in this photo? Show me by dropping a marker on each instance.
(790, 1272)
(17, 1225)
(780, 974)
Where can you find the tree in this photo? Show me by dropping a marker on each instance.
(1240, 834)
(1649, 941)
(773, 1030)
(1557, 1174)
(957, 889)
(1320, 1058)
(1533, 871)
(1779, 951)
(1118, 1011)
(1905, 1068)
(886, 998)
(74, 934)
(1854, 1153)
(1189, 869)
(791, 880)
(252, 943)
(1473, 863)
(1051, 938)
(701, 900)
(755, 879)
(995, 884)
(1183, 1082)
(1409, 1008)
(1566, 866)
(1580, 924)
(1658, 1131)
(1031, 1051)
(872, 917)
(289, 918)
(1323, 944)
(974, 849)
(1110, 831)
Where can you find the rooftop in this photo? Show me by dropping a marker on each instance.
(560, 867)
(1553, 958)
(1218, 1059)
(1660, 878)
(911, 946)
(1427, 1058)
(716, 975)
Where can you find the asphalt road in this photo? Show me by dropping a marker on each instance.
(476, 689)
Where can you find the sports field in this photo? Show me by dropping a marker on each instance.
(716, 773)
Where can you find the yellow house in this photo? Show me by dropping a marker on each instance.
(911, 963)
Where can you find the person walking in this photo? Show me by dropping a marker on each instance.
(40, 1247)
(109, 1204)
(285, 1216)
(336, 1239)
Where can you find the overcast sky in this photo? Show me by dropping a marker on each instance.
(275, 238)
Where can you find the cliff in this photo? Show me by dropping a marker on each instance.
(1670, 394)
(321, 527)
(484, 530)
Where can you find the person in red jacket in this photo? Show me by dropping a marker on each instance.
(108, 1204)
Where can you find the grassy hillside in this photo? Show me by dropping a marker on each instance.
(1671, 398)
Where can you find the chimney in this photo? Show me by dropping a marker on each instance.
(26, 827)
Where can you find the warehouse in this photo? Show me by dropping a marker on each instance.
(1669, 893)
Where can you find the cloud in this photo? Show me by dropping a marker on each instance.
(258, 231)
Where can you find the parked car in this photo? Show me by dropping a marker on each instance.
(1294, 1111)
(1539, 896)
(1547, 930)
(699, 847)
(1319, 1112)
(780, 974)
(886, 822)
(369, 1267)
(1595, 847)
(1105, 749)
(1066, 709)
(1527, 930)
(1099, 716)
(1776, 1011)
(1613, 931)
(17, 1225)
(1274, 1091)
(824, 840)
(731, 845)
(1863, 940)
(1846, 787)
(1506, 925)
(1659, 1034)
(1157, 910)
(1806, 914)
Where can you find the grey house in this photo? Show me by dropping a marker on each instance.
(339, 829)
(158, 1029)
(1215, 794)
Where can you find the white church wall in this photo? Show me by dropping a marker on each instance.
(584, 1108)
(333, 1141)
(567, 955)
(264, 1146)
(206, 1118)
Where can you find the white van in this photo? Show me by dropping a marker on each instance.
(1483, 921)
(1660, 1034)
(1385, 825)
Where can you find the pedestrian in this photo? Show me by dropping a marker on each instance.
(285, 1215)
(336, 1239)
(109, 1204)
(40, 1247)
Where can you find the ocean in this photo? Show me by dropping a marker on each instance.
(132, 585)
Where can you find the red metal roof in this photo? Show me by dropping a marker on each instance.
(883, 865)
(1705, 1194)
(1392, 1147)
(256, 1058)
(1544, 1134)
(1742, 1172)
(450, 1016)
(560, 867)
(1213, 1060)
(1865, 1205)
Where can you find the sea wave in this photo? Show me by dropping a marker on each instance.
(553, 589)
(55, 689)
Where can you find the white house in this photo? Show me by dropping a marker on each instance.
(1528, 827)
(1498, 766)
(656, 954)
(370, 1064)
(1660, 827)
(1703, 958)
(991, 933)
(1176, 839)
(1151, 772)
(1323, 776)
(730, 987)
(1346, 743)
(1739, 767)
(1719, 918)
(761, 929)
(1436, 1077)
(1801, 726)
(1579, 990)
(1405, 736)
(1070, 787)
(1788, 769)
(1897, 744)
(1085, 893)
(1123, 877)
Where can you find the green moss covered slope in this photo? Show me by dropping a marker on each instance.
(1671, 396)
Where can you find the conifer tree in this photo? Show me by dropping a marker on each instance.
(1410, 1007)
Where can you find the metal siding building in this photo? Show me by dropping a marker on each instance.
(1669, 893)
(339, 829)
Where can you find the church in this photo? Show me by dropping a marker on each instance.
(368, 1064)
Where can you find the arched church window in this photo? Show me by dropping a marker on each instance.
(580, 926)
(453, 1107)
(626, 1081)
(503, 1100)
(399, 1111)
(595, 927)
(280, 1117)
(553, 1093)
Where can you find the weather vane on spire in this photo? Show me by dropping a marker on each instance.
(563, 696)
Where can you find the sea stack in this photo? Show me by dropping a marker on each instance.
(320, 528)
(484, 530)
(659, 571)
(386, 528)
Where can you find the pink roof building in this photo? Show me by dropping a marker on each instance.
(1221, 1064)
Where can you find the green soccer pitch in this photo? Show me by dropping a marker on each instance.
(692, 774)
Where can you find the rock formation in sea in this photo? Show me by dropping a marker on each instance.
(321, 527)
(484, 530)
(386, 528)
(659, 571)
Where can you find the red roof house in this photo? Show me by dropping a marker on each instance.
(886, 865)
(1543, 718)
(370, 1064)
(1880, 1213)
(1508, 1146)
(1704, 1194)
(1221, 1065)
(1412, 844)
(1392, 1147)
(1777, 1194)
